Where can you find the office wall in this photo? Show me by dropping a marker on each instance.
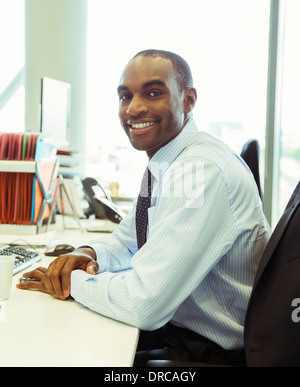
(55, 46)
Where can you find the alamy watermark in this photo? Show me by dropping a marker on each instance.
(296, 312)
(180, 180)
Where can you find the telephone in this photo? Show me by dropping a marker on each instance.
(100, 202)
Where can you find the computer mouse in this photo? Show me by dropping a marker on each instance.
(56, 249)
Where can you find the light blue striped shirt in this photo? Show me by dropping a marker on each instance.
(206, 234)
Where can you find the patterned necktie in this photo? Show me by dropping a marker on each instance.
(143, 203)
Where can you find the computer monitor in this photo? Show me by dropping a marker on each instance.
(55, 111)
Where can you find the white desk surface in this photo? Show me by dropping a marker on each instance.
(38, 330)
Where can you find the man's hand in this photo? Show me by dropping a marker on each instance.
(56, 279)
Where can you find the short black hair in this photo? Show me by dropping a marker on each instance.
(185, 78)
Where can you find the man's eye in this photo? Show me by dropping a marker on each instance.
(154, 93)
(125, 97)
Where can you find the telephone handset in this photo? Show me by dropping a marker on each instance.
(99, 201)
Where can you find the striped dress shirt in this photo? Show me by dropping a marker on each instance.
(206, 234)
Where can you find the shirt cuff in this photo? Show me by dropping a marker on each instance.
(78, 277)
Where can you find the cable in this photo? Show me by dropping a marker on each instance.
(13, 243)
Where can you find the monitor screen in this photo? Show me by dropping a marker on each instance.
(55, 111)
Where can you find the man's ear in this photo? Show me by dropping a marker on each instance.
(190, 99)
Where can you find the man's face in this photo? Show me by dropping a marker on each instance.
(151, 107)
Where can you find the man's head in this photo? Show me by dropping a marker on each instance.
(156, 98)
(181, 67)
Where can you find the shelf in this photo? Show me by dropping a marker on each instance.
(17, 166)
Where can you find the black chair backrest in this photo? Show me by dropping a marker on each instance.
(250, 154)
(272, 324)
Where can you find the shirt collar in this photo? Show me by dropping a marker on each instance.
(167, 154)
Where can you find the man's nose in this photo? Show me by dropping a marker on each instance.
(136, 106)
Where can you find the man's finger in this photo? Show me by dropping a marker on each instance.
(54, 278)
(66, 280)
(92, 267)
(48, 280)
(36, 273)
(36, 285)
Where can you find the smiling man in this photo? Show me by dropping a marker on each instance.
(186, 281)
(154, 104)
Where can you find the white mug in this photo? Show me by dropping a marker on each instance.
(6, 273)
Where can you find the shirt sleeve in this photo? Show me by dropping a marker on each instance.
(184, 242)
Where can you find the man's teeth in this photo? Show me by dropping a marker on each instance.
(142, 125)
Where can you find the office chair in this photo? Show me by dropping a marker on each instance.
(250, 154)
(272, 323)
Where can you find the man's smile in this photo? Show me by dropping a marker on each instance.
(140, 127)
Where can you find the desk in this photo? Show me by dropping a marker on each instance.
(38, 330)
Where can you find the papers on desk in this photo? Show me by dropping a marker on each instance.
(91, 225)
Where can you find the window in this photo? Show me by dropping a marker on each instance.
(12, 49)
(226, 45)
(289, 163)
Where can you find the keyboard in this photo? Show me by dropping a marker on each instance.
(23, 256)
